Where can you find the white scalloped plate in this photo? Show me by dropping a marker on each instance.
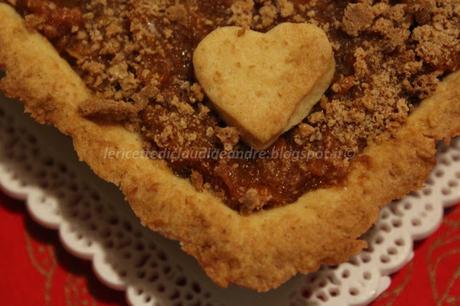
(38, 165)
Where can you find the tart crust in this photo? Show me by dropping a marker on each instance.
(259, 251)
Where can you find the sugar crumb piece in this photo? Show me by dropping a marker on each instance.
(357, 18)
(303, 133)
(229, 137)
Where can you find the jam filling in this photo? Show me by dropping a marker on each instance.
(137, 58)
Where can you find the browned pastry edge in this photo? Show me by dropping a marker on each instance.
(259, 251)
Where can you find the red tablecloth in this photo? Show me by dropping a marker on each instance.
(36, 270)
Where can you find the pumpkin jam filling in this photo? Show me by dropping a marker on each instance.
(136, 56)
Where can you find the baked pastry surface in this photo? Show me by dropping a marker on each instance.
(268, 82)
(259, 251)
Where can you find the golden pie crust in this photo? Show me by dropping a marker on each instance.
(259, 251)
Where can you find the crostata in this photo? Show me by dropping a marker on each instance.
(264, 135)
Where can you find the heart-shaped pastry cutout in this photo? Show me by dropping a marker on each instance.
(264, 84)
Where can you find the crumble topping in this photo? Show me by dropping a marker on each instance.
(229, 136)
(357, 18)
(136, 57)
